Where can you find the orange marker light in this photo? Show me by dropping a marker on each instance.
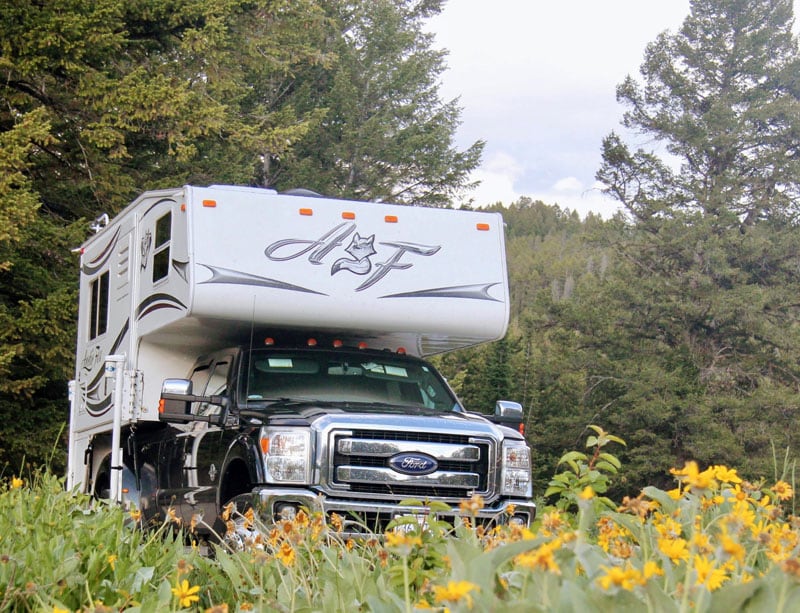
(390, 219)
(483, 227)
(312, 342)
(401, 350)
(362, 345)
(183, 208)
(209, 203)
(348, 215)
(269, 341)
(161, 406)
(337, 343)
(307, 212)
(264, 443)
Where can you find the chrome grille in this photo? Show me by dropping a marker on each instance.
(360, 464)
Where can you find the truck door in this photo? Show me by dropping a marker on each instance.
(205, 444)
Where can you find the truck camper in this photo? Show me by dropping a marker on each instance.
(240, 345)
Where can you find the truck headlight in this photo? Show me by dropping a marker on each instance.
(515, 477)
(287, 455)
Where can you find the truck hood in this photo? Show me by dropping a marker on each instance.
(321, 415)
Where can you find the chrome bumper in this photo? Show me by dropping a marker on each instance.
(276, 504)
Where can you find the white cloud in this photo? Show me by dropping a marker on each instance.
(497, 177)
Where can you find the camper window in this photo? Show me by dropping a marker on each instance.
(161, 249)
(98, 318)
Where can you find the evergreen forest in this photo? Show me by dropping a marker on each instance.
(674, 325)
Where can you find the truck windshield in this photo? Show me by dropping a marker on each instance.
(345, 377)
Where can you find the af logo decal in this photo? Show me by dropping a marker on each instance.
(361, 249)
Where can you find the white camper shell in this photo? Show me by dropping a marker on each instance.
(184, 271)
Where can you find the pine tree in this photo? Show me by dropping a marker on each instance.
(713, 246)
(386, 134)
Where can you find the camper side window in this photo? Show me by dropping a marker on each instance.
(98, 318)
(161, 249)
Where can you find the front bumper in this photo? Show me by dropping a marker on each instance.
(274, 504)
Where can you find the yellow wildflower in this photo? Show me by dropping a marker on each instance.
(675, 494)
(587, 493)
(136, 514)
(666, 526)
(691, 475)
(626, 578)
(112, 561)
(675, 549)
(286, 554)
(17, 483)
(249, 518)
(738, 494)
(220, 608)
(541, 558)
(783, 491)
(707, 574)
(337, 523)
(399, 539)
(552, 522)
(455, 592)
(173, 516)
(472, 506)
(227, 510)
(726, 475)
(701, 543)
(186, 595)
(636, 506)
(732, 548)
(651, 569)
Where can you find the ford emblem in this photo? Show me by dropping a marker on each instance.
(413, 463)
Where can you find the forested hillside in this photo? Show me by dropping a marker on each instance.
(674, 325)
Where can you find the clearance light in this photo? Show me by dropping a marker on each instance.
(307, 212)
(348, 215)
(362, 345)
(390, 219)
(264, 442)
(183, 208)
(337, 343)
(209, 203)
(269, 341)
(161, 406)
(401, 350)
(483, 227)
(312, 342)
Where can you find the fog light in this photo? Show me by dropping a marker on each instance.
(286, 512)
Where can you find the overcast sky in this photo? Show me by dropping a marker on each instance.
(536, 81)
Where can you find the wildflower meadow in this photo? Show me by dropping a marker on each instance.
(715, 542)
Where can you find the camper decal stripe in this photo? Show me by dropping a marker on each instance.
(155, 204)
(98, 262)
(472, 292)
(224, 275)
(157, 302)
(100, 406)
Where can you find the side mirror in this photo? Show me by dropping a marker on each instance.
(175, 404)
(507, 408)
(509, 414)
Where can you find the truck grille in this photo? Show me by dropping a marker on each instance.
(365, 464)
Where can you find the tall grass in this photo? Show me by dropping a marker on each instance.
(714, 543)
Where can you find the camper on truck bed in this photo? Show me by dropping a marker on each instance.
(236, 344)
